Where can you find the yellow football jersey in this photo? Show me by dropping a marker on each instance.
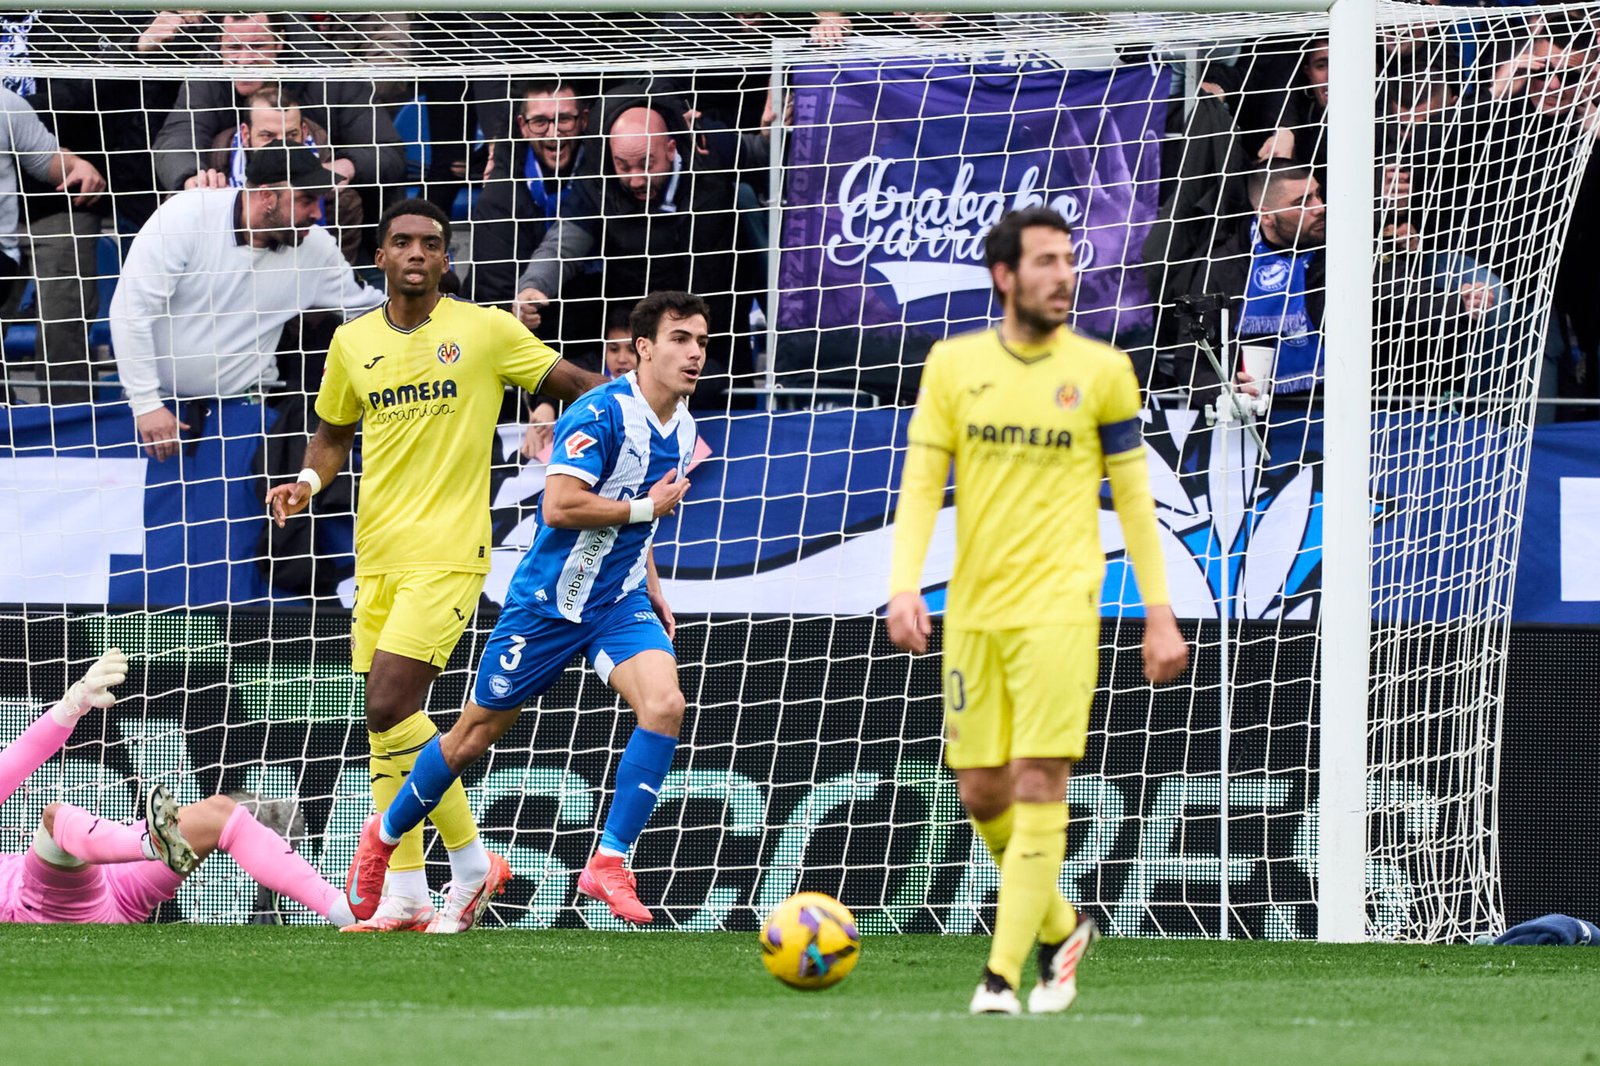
(429, 399)
(1029, 431)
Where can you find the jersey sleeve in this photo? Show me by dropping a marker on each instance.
(525, 360)
(1122, 445)
(933, 422)
(1120, 429)
(337, 402)
(585, 439)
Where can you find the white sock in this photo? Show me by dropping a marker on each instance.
(469, 864)
(340, 913)
(407, 884)
(45, 846)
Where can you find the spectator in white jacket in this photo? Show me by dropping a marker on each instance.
(210, 282)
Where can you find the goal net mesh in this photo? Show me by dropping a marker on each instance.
(828, 184)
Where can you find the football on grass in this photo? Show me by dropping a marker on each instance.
(810, 941)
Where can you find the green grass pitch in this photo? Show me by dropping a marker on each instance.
(172, 995)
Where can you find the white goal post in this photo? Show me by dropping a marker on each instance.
(1347, 601)
(1342, 562)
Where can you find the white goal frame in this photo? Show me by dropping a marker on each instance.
(1345, 616)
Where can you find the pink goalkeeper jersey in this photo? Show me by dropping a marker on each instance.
(31, 890)
(11, 890)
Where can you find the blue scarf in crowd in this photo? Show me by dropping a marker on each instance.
(13, 49)
(1275, 306)
(546, 201)
(236, 160)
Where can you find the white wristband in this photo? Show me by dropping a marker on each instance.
(642, 509)
(312, 478)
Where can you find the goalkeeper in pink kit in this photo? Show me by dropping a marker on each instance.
(84, 868)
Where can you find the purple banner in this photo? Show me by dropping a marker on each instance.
(897, 169)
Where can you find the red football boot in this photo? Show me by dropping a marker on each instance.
(363, 885)
(607, 880)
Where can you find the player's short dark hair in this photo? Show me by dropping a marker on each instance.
(1269, 173)
(413, 207)
(1004, 242)
(645, 318)
(618, 316)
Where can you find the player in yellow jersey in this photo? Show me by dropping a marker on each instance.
(426, 375)
(1032, 415)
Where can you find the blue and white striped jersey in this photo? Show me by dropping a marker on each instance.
(612, 440)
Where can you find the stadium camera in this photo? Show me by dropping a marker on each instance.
(1197, 318)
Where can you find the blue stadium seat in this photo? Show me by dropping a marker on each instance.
(411, 122)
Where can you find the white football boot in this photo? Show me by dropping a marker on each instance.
(1058, 969)
(464, 904)
(995, 996)
(395, 914)
(161, 832)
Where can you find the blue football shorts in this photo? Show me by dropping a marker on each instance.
(527, 652)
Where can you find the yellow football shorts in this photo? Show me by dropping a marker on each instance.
(420, 614)
(1018, 693)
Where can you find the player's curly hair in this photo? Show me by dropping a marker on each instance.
(413, 207)
(645, 318)
(1004, 242)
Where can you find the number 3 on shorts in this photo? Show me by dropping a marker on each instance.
(510, 659)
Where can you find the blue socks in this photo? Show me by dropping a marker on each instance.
(644, 766)
(645, 762)
(420, 793)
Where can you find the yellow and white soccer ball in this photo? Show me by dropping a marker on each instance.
(810, 941)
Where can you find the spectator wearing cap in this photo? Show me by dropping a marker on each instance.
(273, 113)
(210, 282)
(362, 147)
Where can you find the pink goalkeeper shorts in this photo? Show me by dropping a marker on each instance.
(113, 894)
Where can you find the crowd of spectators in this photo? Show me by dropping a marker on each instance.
(1478, 131)
(579, 197)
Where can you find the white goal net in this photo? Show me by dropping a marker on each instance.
(826, 182)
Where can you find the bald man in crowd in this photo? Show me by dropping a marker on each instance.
(652, 209)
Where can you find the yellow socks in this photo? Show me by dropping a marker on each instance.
(1030, 904)
(1062, 917)
(394, 753)
(386, 779)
